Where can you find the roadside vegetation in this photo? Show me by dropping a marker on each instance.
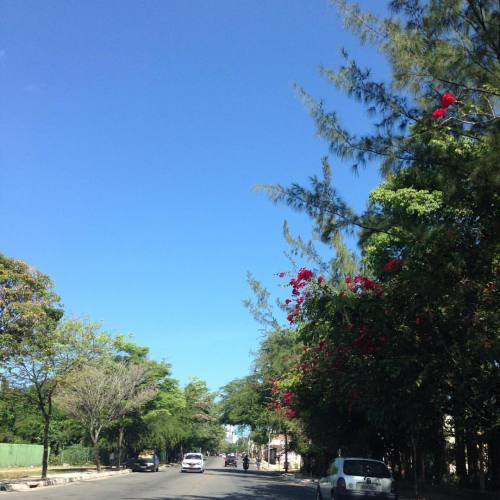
(68, 385)
(394, 351)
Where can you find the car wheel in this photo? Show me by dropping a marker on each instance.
(318, 494)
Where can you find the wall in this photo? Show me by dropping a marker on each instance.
(20, 455)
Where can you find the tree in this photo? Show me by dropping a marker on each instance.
(414, 336)
(203, 429)
(28, 304)
(100, 394)
(165, 427)
(39, 365)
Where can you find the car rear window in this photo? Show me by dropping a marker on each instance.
(193, 456)
(366, 468)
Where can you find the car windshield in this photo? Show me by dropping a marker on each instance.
(366, 468)
(191, 456)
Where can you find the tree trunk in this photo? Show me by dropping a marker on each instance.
(286, 451)
(460, 452)
(45, 457)
(121, 431)
(47, 415)
(422, 466)
(494, 458)
(482, 478)
(414, 464)
(472, 460)
(94, 437)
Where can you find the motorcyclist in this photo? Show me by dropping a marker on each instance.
(246, 462)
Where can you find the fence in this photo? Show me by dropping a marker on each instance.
(20, 455)
(73, 455)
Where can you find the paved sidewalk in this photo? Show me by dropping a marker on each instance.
(27, 483)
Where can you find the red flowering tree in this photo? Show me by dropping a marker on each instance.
(413, 338)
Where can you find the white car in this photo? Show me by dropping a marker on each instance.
(350, 478)
(193, 462)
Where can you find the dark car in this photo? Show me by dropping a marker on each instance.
(145, 461)
(231, 460)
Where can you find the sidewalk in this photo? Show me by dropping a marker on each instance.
(56, 478)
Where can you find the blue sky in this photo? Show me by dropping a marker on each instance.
(131, 135)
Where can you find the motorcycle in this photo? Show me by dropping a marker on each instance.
(246, 464)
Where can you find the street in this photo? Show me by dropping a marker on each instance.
(215, 482)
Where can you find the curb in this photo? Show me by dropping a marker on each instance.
(310, 483)
(54, 481)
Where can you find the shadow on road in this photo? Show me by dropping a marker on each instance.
(276, 490)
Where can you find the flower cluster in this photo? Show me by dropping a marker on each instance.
(282, 403)
(361, 283)
(447, 99)
(299, 295)
(393, 264)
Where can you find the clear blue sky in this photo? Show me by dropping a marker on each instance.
(131, 134)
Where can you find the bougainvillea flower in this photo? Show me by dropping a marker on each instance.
(447, 98)
(437, 113)
(392, 264)
(304, 274)
(281, 275)
(320, 279)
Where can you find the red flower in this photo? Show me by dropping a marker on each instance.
(295, 292)
(300, 300)
(290, 318)
(447, 98)
(287, 301)
(304, 274)
(291, 413)
(348, 280)
(437, 113)
(418, 321)
(281, 275)
(392, 264)
(320, 280)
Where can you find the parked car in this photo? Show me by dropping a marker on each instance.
(146, 460)
(231, 460)
(193, 462)
(350, 478)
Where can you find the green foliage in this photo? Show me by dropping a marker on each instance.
(385, 365)
(28, 305)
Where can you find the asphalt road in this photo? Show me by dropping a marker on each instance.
(215, 482)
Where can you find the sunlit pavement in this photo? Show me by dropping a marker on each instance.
(216, 482)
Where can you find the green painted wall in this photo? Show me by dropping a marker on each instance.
(20, 455)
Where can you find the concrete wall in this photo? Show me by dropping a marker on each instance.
(20, 455)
